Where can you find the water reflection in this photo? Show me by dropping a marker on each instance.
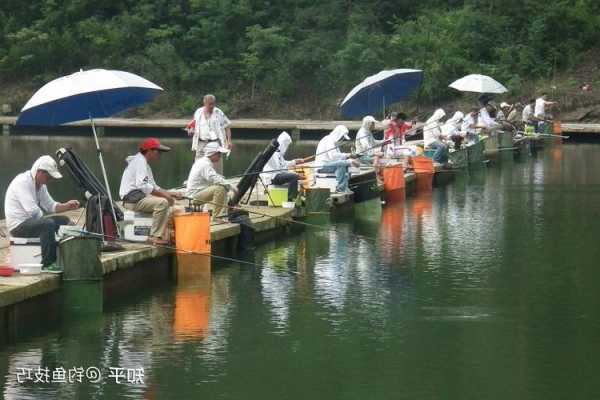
(481, 289)
(277, 285)
(192, 297)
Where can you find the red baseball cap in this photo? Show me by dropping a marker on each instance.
(153, 143)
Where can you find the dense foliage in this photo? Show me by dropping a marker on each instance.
(262, 49)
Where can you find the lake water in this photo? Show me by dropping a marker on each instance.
(485, 289)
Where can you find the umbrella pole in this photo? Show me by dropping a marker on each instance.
(112, 207)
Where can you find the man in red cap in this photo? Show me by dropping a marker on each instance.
(140, 192)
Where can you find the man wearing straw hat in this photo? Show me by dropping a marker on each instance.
(204, 184)
(140, 192)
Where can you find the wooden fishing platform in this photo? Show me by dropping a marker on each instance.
(137, 262)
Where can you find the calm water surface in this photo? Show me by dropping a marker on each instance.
(485, 289)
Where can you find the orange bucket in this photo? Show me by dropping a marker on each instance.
(557, 128)
(192, 232)
(422, 164)
(393, 178)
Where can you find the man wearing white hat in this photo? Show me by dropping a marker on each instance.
(26, 203)
(204, 184)
(504, 111)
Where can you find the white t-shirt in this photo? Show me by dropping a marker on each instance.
(211, 127)
(527, 113)
(276, 163)
(328, 150)
(431, 133)
(467, 125)
(203, 175)
(23, 201)
(486, 119)
(540, 108)
(137, 175)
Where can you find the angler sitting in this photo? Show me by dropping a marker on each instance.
(471, 126)
(366, 144)
(395, 134)
(332, 160)
(527, 117)
(451, 129)
(433, 137)
(275, 170)
(204, 184)
(487, 117)
(140, 192)
(27, 200)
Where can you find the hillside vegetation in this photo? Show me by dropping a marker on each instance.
(290, 58)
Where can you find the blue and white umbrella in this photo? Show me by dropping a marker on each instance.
(380, 90)
(96, 93)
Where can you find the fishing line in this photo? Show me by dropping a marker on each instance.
(221, 258)
(168, 247)
(291, 220)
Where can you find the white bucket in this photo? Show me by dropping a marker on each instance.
(288, 204)
(30, 269)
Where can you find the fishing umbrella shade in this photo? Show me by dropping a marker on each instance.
(95, 93)
(380, 90)
(478, 84)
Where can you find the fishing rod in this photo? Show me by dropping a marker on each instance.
(410, 132)
(291, 220)
(302, 165)
(168, 247)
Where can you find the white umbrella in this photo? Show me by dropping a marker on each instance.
(478, 84)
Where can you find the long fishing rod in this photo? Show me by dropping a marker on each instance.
(410, 132)
(291, 220)
(168, 247)
(222, 258)
(302, 165)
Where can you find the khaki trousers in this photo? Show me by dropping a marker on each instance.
(216, 194)
(159, 207)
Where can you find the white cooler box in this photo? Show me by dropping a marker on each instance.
(324, 181)
(25, 251)
(137, 226)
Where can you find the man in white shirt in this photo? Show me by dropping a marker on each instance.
(471, 125)
(275, 170)
(504, 111)
(527, 116)
(27, 200)
(331, 160)
(204, 184)
(539, 113)
(486, 119)
(434, 139)
(140, 192)
(210, 125)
